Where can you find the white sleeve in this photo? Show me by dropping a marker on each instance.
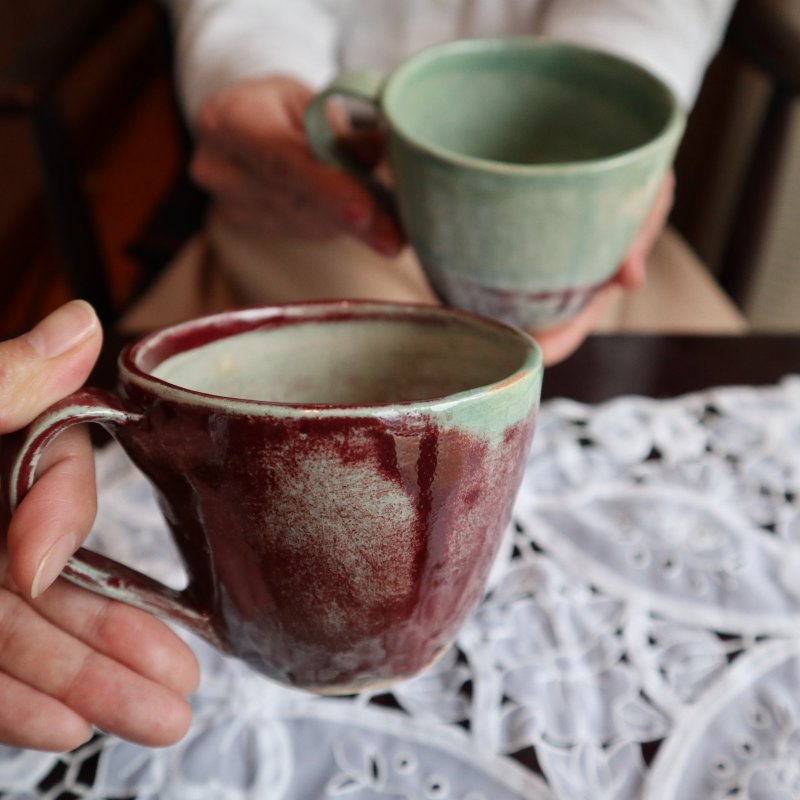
(674, 39)
(219, 42)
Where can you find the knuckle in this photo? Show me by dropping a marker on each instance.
(101, 626)
(75, 680)
(12, 617)
(209, 116)
(198, 170)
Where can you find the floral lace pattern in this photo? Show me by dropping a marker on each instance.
(640, 637)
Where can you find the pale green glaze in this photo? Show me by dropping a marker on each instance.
(388, 362)
(519, 165)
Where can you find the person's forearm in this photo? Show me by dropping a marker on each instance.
(675, 39)
(220, 42)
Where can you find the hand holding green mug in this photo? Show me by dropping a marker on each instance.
(521, 168)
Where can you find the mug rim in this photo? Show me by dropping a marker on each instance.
(217, 326)
(673, 126)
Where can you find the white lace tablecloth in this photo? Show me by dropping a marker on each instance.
(640, 638)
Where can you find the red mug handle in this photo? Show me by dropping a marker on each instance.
(88, 569)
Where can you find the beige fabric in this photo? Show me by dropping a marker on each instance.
(189, 287)
(679, 296)
(270, 270)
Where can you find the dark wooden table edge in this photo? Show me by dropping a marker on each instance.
(611, 365)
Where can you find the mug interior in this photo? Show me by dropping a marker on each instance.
(527, 101)
(349, 355)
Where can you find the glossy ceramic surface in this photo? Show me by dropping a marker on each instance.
(336, 476)
(522, 168)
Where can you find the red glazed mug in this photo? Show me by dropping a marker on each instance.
(336, 476)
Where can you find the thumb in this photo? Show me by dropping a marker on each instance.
(561, 341)
(47, 363)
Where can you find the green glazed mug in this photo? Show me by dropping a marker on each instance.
(521, 168)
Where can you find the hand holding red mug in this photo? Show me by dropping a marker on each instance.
(336, 475)
(70, 660)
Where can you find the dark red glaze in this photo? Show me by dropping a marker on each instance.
(291, 574)
(526, 309)
(331, 547)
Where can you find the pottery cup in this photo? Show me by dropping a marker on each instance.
(521, 168)
(336, 476)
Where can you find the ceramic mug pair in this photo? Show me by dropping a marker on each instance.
(337, 476)
(521, 168)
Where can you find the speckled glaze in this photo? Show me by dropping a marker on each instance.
(522, 168)
(339, 541)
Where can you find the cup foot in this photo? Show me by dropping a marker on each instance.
(367, 685)
(529, 310)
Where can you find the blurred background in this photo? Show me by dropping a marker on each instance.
(95, 199)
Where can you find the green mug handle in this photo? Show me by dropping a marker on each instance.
(365, 86)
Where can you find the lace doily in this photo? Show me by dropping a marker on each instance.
(640, 637)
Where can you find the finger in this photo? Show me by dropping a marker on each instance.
(631, 274)
(368, 146)
(97, 688)
(55, 516)
(127, 635)
(343, 201)
(561, 341)
(246, 200)
(260, 130)
(386, 236)
(47, 363)
(48, 723)
(356, 130)
(297, 206)
(259, 126)
(323, 191)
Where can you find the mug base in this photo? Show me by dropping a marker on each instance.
(368, 685)
(523, 308)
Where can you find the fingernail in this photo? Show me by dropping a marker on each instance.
(51, 564)
(356, 214)
(60, 331)
(385, 245)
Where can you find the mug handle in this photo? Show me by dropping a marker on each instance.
(365, 86)
(90, 570)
